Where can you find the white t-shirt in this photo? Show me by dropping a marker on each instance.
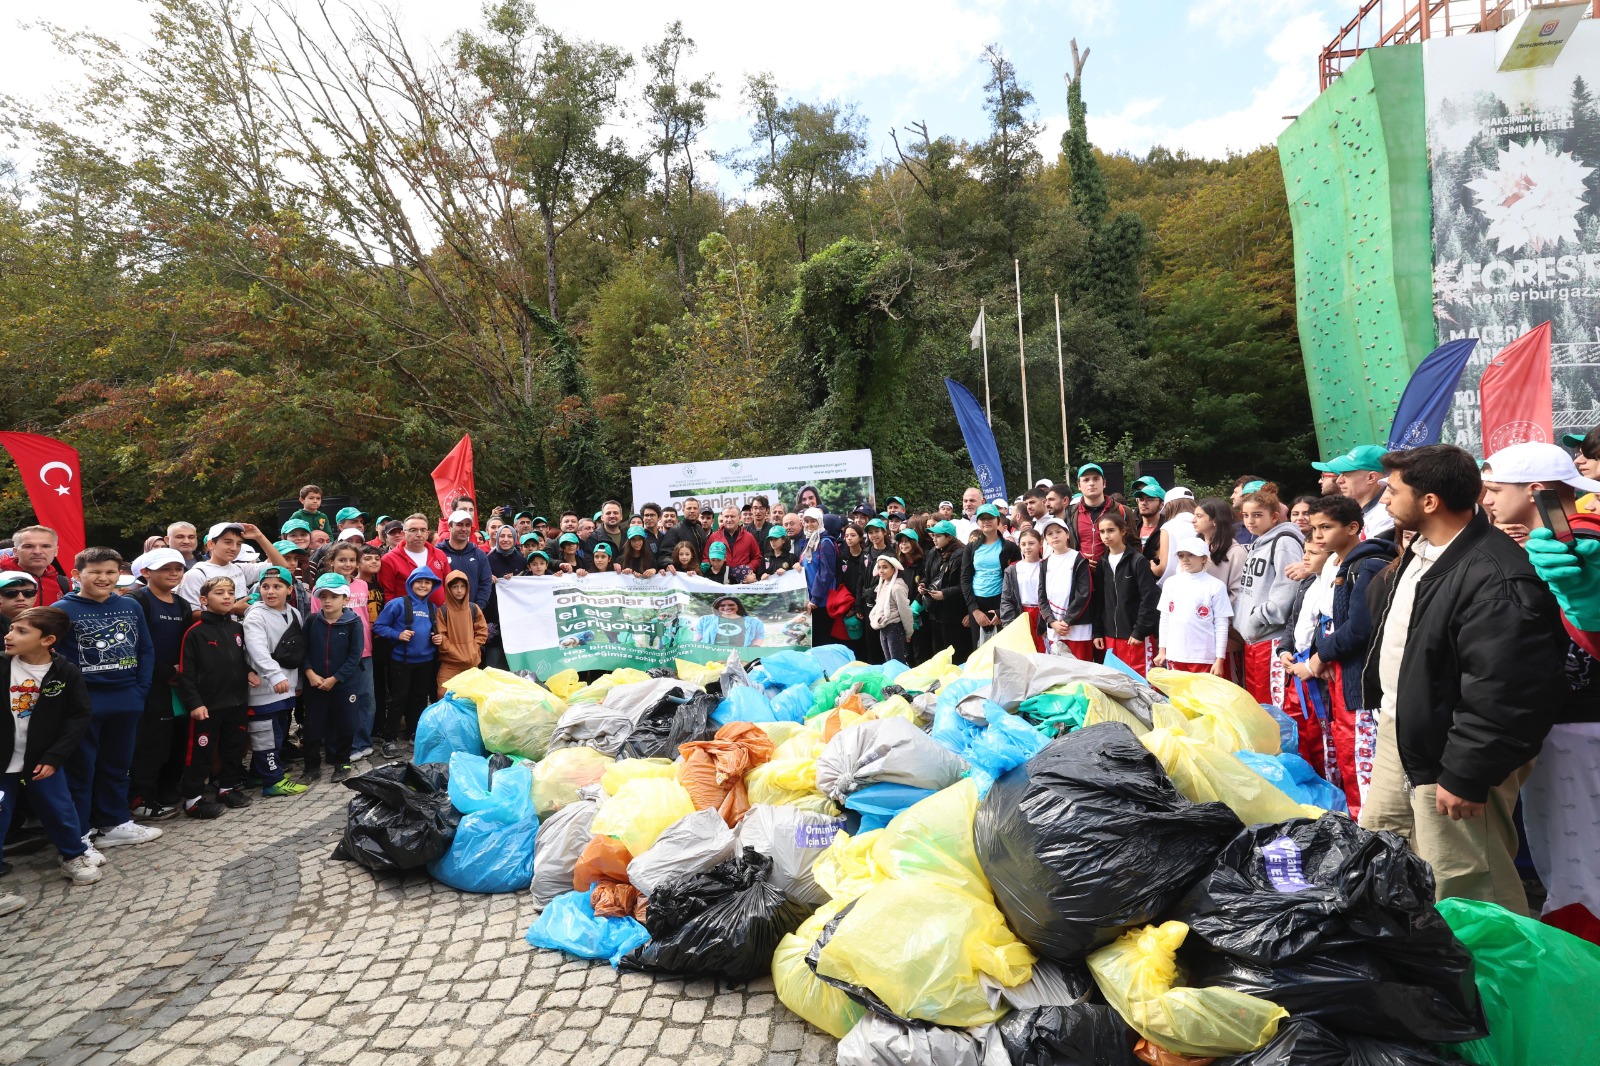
(26, 680)
(1194, 618)
(1027, 582)
(1398, 624)
(1375, 517)
(1318, 600)
(418, 558)
(244, 576)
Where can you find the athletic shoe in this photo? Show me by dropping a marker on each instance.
(287, 787)
(126, 833)
(342, 773)
(80, 870)
(233, 798)
(364, 753)
(93, 853)
(390, 750)
(252, 780)
(205, 809)
(10, 904)
(154, 812)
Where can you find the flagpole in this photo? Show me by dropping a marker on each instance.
(983, 336)
(1022, 363)
(1061, 374)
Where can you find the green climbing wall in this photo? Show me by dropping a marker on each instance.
(1355, 164)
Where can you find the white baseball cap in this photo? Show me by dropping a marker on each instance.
(1530, 461)
(248, 554)
(459, 516)
(17, 577)
(155, 559)
(1044, 524)
(353, 534)
(1177, 492)
(1191, 545)
(222, 527)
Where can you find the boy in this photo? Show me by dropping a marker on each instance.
(1194, 614)
(49, 714)
(310, 510)
(224, 541)
(333, 659)
(275, 644)
(168, 616)
(214, 682)
(408, 622)
(19, 591)
(110, 642)
(538, 563)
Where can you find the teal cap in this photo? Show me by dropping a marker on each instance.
(334, 582)
(1088, 467)
(989, 510)
(531, 535)
(540, 554)
(597, 515)
(279, 572)
(568, 538)
(1361, 457)
(1573, 440)
(778, 531)
(911, 533)
(718, 550)
(1252, 486)
(1152, 491)
(877, 523)
(637, 531)
(293, 524)
(602, 546)
(284, 547)
(347, 513)
(522, 514)
(945, 526)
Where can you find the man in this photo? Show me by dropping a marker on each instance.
(1327, 477)
(34, 553)
(669, 521)
(896, 505)
(1148, 498)
(223, 541)
(686, 530)
(743, 547)
(467, 557)
(1055, 502)
(650, 518)
(462, 502)
(1083, 516)
(760, 518)
(778, 511)
(971, 500)
(169, 616)
(947, 510)
(184, 539)
(1358, 474)
(793, 528)
(1465, 668)
(569, 521)
(608, 527)
(413, 551)
(523, 521)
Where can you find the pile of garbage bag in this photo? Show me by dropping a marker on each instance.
(1022, 860)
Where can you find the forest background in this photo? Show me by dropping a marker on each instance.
(287, 245)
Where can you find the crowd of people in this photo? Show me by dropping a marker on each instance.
(1428, 622)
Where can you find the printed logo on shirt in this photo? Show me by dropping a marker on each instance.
(106, 644)
(24, 698)
(202, 740)
(1203, 611)
(238, 639)
(1172, 606)
(54, 688)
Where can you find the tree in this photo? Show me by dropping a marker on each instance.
(677, 115)
(1008, 158)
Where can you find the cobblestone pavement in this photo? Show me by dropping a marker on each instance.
(239, 942)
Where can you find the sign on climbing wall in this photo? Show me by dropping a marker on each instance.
(1515, 161)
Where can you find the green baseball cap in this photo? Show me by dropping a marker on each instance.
(989, 510)
(1361, 457)
(540, 518)
(597, 515)
(718, 550)
(333, 582)
(911, 533)
(1252, 486)
(279, 572)
(897, 499)
(522, 514)
(602, 545)
(531, 535)
(293, 524)
(1151, 492)
(567, 538)
(1088, 467)
(637, 531)
(347, 513)
(1147, 480)
(286, 546)
(778, 531)
(1573, 440)
(540, 554)
(944, 526)
(877, 523)
(382, 519)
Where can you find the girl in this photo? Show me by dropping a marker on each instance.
(1129, 611)
(1213, 523)
(942, 591)
(908, 550)
(891, 616)
(1065, 591)
(462, 630)
(1019, 592)
(986, 559)
(878, 538)
(599, 559)
(507, 560)
(683, 558)
(379, 649)
(571, 554)
(637, 558)
(1194, 615)
(1177, 520)
(344, 559)
(1267, 594)
(855, 574)
(778, 558)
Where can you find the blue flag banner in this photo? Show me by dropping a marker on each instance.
(1420, 417)
(980, 442)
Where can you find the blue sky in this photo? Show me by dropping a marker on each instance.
(1203, 75)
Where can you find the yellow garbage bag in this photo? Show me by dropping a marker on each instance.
(853, 664)
(563, 684)
(515, 715)
(595, 691)
(806, 744)
(933, 839)
(1139, 976)
(641, 811)
(1219, 711)
(1204, 772)
(558, 776)
(940, 668)
(847, 867)
(625, 770)
(920, 945)
(779, 732)
(1017, 637)
(1103, 708)
(804, 992)
(897, 707)
(701, 674)
(788, 783)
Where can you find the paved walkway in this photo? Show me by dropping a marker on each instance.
(239, 942)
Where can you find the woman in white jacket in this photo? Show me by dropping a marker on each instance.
(891, 615)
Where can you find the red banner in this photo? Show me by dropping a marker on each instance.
(54, 481)
(1514, 393)
(453, 476)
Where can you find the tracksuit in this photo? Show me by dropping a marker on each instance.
(214, 673)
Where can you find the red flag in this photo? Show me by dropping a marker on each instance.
(453, 476)
(1514, 393)
(54, 481)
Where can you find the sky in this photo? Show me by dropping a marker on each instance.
(1205, 76)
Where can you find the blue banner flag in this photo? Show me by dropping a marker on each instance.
(980, 442)
(1420, 417)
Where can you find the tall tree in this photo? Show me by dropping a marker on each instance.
(806, 155)
(1008, 158)
(676, 108)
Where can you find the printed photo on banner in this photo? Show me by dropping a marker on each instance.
(834, 481)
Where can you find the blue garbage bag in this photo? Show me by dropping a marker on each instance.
(1296, 777)
(792, 704)
(745, 703)
(878, 804)
(1007, 741)
(893, 669)
(493, 846)
(832, 656)
(1288, 731)
(446, 727)
(569, 924)
(951, 728)
(792, 667)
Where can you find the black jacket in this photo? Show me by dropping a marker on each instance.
(669, 539)
(1481, 673)
(213, 671)
(1009, 553)
(1082, 593)
(1347, 643)
(1130, 599)
(948, 575)
(58, 721)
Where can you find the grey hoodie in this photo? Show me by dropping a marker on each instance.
(263, 628)
(1265, 610)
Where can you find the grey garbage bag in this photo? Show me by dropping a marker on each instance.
(693, 843)
(1052, 985)
(889, 751)
(792, 838)
(1019, 675)
(880, 1041)
(560, 840)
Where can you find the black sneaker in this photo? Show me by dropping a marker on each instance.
(205, 809)
(390, 750)
(233, 798)
(154, 812)
(342, 773)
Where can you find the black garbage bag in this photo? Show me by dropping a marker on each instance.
(1088, 1034)
(1323, 910)
(400, 817)
(679, 717)
(724, 923)
(1090, 837)
(1303, 1042)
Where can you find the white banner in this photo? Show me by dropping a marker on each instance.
(839, 480)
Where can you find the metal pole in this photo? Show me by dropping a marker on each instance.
(1061, 374)
(983, 337)
(1022, 363)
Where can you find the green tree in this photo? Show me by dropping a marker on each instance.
(676, 107)
(1007, 159)
(805, 156)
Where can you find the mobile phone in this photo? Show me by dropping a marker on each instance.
(1554, 506)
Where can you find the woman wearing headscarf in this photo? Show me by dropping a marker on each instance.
(820, 561)
(505, 555)
(940, 587)
(461, 630)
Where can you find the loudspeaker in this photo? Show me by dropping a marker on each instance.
(1113, 469)
(1163, 470)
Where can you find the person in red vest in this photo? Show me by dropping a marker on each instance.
(34, 552)
(413, 551)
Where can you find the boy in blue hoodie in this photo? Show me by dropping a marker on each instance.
(408, 622)
(335, 643)
(111, 644)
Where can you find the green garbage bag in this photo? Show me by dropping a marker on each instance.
(1055, 712)
(1540, 987)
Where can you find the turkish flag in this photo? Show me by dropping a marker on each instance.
(1514, 393)
(54, 480)
(453, 476)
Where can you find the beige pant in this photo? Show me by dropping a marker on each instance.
(1474, 858)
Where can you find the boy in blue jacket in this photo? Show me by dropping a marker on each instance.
(111, 644)
(335, 643)
(409, 622)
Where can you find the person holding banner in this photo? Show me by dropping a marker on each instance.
(741, 550)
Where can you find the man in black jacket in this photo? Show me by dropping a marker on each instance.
(1465, 666)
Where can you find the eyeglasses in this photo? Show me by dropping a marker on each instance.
(13, 594)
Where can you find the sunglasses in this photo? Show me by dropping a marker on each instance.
(13, 594)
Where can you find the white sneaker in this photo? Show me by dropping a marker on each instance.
(93, 853)
(364, 753)
(10, 904)
(126, 833)
(81, 870)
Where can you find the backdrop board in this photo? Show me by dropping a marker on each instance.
(841, 479)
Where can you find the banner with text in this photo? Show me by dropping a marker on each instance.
(838, 480)
(606, 621)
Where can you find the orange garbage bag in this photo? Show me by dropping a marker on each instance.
(712, 771)
(613, 899)
(603, 859)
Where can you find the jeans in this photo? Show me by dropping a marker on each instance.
(366, 707)
(98, 771)
(52, 803)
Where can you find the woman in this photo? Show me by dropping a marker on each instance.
(152, 543)
(637, 559)
(855, 576)
(1177, 520)
(1130, 601)
(505, 560)
(808, 498)
(820, 560)
(982, 572)
(569, 552)
(1213, 523)
(462, 630)
(1066, 592)
(944, 602)
(1019, 590)
(778, 559)
(1300, 515)
(729, 626)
